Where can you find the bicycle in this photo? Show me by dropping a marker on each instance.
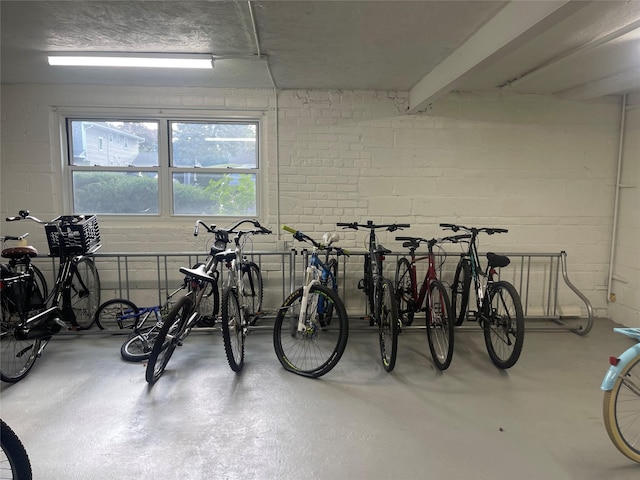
(306, 339)
(498, 304)
(121, 314)
(381, 299)
(14, 461)
(432, 298)
(74, 297)
(243, 279)
(621, 404)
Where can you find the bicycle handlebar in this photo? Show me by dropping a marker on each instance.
(61, 220)
(11, 237)
(433, 241)
(213, 229)
(301, 237)
(473, 230)
(392, 227)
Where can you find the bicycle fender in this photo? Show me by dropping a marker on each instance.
(614, 370)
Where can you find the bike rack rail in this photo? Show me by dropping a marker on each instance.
(146, 278)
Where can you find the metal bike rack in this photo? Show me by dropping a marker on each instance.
(151, 276)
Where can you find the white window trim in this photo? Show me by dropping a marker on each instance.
(165, 192)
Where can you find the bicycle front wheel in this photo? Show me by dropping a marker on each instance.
(14, 461)
(318, 348)
(621, 411)
(138, 346)
(17, 355)
(404, 291)
(252, 291)
(503, 324)
(387, 316)
(85, 292)
(440, 328)
(233, 329)
(116, 314)
(169, 337)
(460, 291)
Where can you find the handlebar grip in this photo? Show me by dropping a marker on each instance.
(287, 228)
(13, 219)
(195, 230)
(401, 239)
(403, 225)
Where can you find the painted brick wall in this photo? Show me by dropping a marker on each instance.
(541, 167)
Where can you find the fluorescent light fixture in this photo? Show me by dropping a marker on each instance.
(135, 60)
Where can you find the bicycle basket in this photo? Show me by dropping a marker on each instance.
(79, 238)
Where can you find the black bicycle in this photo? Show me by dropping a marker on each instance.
(382, 304)
(498, 304)
(27, 325)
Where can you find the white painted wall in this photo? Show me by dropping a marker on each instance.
(625, 283)
(541, 167)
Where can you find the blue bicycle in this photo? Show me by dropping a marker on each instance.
(621, 405)
(311, 328)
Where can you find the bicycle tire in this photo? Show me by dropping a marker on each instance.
(318, 349)
(252, 291)
(85, 292)
(621, 407)
(504, 344)
(332, 265)
(17, 355)
(233, 330)
(109, 314)
(387, 317)
(14, 458)
(460, 290)
(169, 337)
(404, 292)
(440, 325)
(138, 346)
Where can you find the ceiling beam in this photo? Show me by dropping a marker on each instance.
(613, 85)
(514, 25)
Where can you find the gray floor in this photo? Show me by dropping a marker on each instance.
(83, 413)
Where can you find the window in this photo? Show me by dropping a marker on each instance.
(163, 166)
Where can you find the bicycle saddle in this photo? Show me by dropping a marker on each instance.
(497, 260)
(19, 252)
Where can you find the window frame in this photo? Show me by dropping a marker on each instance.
(165, 169)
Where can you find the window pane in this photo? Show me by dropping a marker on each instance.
(230, 194)
(217, 145)
(129, 143)
(115, 192)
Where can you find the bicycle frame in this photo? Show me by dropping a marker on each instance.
(430, 275)
(618, 364)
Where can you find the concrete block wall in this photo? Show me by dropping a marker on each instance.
(542, 167)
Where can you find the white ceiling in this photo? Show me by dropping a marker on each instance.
(573, 49)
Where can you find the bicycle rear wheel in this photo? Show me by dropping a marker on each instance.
(85, 292)
(14, 461)
(169, 337)
(503, 324)
(621, 410)
(17, 355)
(233, 329)
(460, 290)
(252, 291)
(404, 292)
(440, 328)
(387, 317)
(116, 314)
(318, 349)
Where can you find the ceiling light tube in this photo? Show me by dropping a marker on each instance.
(135, 60)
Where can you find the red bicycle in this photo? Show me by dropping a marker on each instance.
(439, 318)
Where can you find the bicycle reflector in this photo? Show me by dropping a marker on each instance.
(614, 361)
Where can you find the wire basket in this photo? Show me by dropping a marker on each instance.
(80, 237)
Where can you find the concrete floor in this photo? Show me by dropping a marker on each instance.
(83, 413)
